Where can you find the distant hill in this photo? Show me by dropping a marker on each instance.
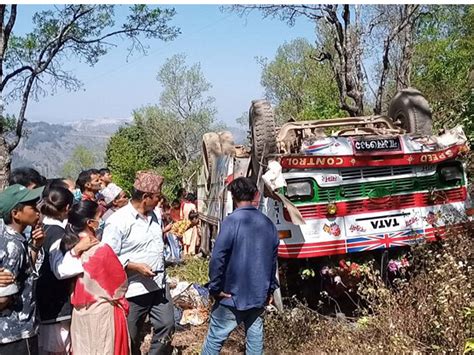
(46, 147)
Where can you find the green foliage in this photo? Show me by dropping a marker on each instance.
(469, 347)
(174, 129)
(172, 177)
(466, 114)
(81, 159)
(166, 137)
(443, 61)
(127, 152)
(184, 91)
(307, 273)
(469, 316)
(7, 123)
(300, 86)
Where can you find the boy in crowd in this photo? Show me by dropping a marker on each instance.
(105, 177)
(23, 258)
(29, 178)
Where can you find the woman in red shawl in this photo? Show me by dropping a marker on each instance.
(99, 324)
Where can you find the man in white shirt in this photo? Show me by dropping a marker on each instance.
(135, 234)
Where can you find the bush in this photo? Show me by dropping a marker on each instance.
(430, 311)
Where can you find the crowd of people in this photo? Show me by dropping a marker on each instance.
(88, 235)
(82, 264)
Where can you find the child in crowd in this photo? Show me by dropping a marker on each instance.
(175, 210)
(23, 258)
(55, 282)
(191, 238)
(53, 294)
(173, 248)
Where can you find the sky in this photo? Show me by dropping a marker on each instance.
(225, 45)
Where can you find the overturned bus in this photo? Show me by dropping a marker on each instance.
(342, 189)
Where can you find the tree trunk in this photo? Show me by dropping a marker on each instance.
(404, 69)
(5, 163)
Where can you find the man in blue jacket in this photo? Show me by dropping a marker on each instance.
(242, 271)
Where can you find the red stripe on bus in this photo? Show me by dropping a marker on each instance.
(338, 247)
(397, 202)
(350, 161)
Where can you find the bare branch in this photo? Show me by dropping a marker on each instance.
(21, 116)
(8, 28)
(5, 33)
(407, 17)
(14, 73)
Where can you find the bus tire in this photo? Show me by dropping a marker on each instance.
(411, 108)
(262, 132)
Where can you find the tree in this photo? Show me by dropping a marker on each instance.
(32, 65)
(342, 35)
(299, 87)
(174, 129)
(443, 64)
(127, 153)
(243, 120)
(81, 159)
(394, 26)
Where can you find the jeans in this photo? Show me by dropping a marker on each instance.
(225, 319)
(159, 306)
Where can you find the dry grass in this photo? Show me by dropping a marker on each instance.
(194, 270)
(428, 313)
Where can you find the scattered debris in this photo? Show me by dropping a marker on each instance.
(192, 299)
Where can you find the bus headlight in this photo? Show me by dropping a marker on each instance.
(451, 173)
(299, 189)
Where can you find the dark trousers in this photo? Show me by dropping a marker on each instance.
(20, 347)
(159, 306)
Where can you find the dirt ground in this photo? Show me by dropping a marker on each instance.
(189, 341)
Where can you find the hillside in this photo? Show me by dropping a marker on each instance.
(46, 147)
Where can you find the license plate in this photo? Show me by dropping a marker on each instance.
(368, 145)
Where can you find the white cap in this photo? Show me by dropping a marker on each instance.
(110, 192)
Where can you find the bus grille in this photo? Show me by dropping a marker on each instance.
(394, 186)
(388, 203)
(375, 172)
